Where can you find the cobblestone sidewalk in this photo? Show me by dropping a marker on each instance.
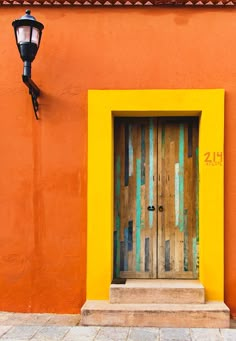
(49, 327)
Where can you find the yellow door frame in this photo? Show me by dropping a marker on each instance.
(103, 105)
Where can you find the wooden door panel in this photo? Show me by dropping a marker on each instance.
(156, 164)
(135, 233)
(178, 194)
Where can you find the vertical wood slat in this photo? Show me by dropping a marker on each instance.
(117, 211)
(147, 254)
(186, 241)
(131, 151)
(188, 196)
(126, 154)
(181, 177)
(132, 192)
(130, 236)
(196, 207)
(123, 192)
(143, 152)
(142, 146)
(166, 211)
(167, 255)
(138, 212)
(126, 247)
(151, 169)
(161, 200)
(171, 207)
(153, 231)
(143, 179)
(190, 139)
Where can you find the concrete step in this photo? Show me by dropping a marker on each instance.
(157, 291)
(103, 313)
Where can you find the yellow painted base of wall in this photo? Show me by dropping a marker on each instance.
(102, 107)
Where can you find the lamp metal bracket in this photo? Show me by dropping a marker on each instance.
(34, 91)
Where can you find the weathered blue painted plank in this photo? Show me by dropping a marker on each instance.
(146, 254)
(167, 255)
(185, 240)
(177, 194)
(126, 154)
(143, 155)
(126, 237)
(138, 214)
(151, 170)
(131, 151)
(130, 235)
(181, 177)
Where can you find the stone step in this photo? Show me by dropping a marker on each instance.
(157, 291)
(103, 313)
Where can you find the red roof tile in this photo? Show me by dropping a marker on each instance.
(179, 3)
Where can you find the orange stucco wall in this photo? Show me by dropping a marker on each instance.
(43, 177)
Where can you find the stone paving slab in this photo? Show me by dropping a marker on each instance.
(112, 334)
(20, 332)
(4, 329)
(228, 334)
(202, 334)
(51, 333)
(174, 334)
(81, 334)
(143, 334)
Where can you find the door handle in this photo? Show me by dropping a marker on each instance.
(151, 208)
(160, 208)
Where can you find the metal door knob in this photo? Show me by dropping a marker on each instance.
(151, 208)
(160, 209)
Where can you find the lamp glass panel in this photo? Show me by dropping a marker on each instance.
(35, 36)
(23, 34)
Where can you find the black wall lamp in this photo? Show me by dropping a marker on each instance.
(28, 32)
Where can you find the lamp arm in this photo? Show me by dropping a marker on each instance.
(34, 92)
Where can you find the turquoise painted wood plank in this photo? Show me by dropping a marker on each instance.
(181, 177)
(177, 194)
(185, 240)
(151, 170)
(138, 214)
(131, 151)
(117, 218)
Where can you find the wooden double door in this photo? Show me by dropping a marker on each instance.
(156, 197)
